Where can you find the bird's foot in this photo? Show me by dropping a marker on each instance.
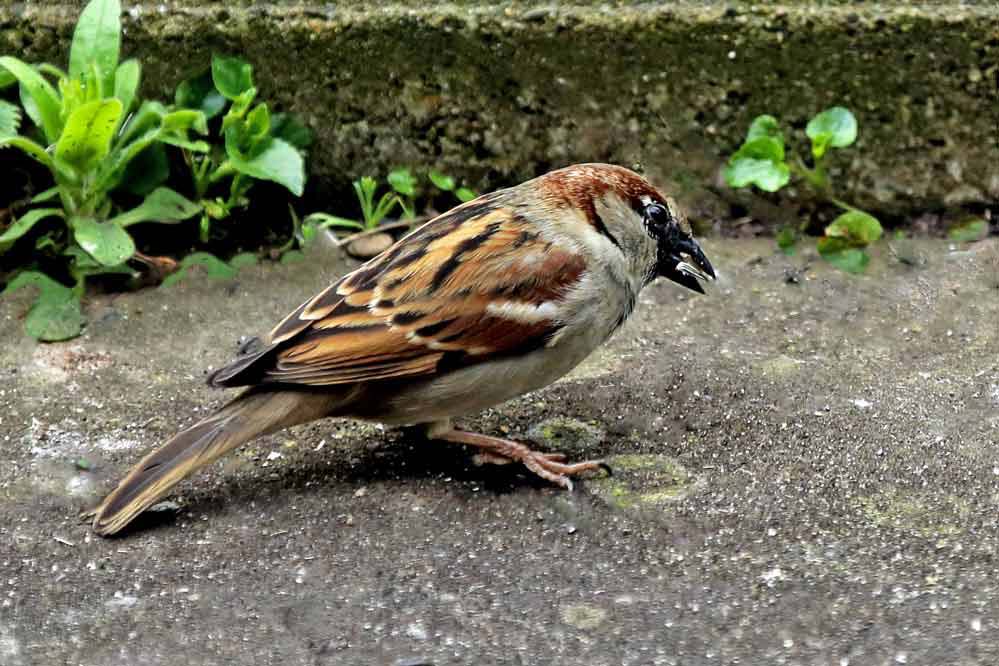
(498, 451)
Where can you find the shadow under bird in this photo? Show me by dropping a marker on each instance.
(490, 300)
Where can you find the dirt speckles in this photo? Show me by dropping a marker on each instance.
(767, 513)
(58, 363)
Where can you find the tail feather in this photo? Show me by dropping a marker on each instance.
(250, 415)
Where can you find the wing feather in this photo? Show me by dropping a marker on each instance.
(477, 282)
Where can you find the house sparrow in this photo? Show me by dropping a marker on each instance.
(495, 298)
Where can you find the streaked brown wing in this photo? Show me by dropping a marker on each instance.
(472, 284)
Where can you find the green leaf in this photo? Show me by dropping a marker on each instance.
(185, 143)
(364, 188)
(214, 267)
(786, 239)
(204, 227)
(839, 253)
(384, 207)
(10, 119)
(106, 242)
(126, 83)
(835, 127)
(24, 223)
(968, 230)
(408, 208)
(112, 169)
(86, 139)
(845, 238)
(30, 107)
(80, 259)
(97, 40)
(767, 175)
(243, 259)
(765, 126)
(258, 125)
(162, 205)
(232, 76)
(6, 79)
(147, 117)
(246, 137)
(146, 171)
(403, 182)
(43, 243)
(292, 257)
(239, 107)
(185, 120)
(52, 71)
(72, 94)
(199, 93)
(306, 234)
(760, 160)
(55, 314)
(464, 194)
(278, 162)
(761, 148)
(217, 209)
(55, 317)
(441, 181)
(287, 127)
(44, 107)
(324, 220)
(174, 128)
(29, 147)
(856, 228)
(85, 265)
(45, 195)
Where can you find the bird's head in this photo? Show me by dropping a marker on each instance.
(635, 219)
(678, 256)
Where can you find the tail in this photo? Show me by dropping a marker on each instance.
(250, 415)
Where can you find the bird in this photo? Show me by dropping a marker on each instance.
(495, 298)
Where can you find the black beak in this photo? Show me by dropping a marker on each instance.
(684, 262)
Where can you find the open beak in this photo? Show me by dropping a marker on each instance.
(687, 265)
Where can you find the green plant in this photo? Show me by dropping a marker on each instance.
(405, 190)
(254, 144)
(213, 267)
(372, 212)
(406, 187)
(448, 184)
(88, 138)
(968, 229)
(761, 161)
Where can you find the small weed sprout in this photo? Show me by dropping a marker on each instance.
(404, 192)
(762, 161)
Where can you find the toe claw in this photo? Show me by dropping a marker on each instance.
(605, 467)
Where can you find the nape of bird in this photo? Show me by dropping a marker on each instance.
(493, 299)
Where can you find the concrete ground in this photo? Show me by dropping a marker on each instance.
(807, 472)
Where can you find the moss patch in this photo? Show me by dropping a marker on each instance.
(924, 513)
(566, 435)
(642, 480)
(583, 616)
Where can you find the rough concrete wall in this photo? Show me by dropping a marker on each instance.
(494, 93)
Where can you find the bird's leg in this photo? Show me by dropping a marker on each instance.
(501, 451)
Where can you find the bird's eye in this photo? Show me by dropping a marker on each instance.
(658, 215)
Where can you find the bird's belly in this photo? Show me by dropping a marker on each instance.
(478, 386)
